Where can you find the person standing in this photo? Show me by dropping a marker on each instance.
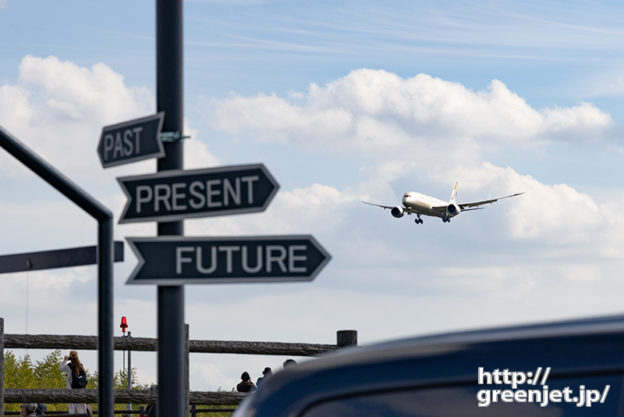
(76, 379)
(265, 374)
(28, 410)
(41, 409)
(246, 384)
(152, 409)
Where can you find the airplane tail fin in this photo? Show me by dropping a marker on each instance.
(454, 193)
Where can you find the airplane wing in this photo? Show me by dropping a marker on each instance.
(378, 205)
(474, 205)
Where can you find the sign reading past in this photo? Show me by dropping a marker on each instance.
(131, 141)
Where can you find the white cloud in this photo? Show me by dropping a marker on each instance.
(372, 110)
(58, 108)
(548, 213)
(44, 223)
(609, 83)
(196, 154)
(321, 208)
(98, 94)
(14, 103)
(575, 121)
(211, 374)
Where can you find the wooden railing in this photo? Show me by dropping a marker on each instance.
(47, 341)
(17, 341)
(64, 395)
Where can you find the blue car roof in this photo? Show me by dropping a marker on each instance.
(573, 347)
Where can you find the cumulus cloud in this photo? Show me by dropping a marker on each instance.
(562, 222)
(97, 94)
(371, 110)
(318, 207)
(59, 108)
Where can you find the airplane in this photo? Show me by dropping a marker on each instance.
(420, 204)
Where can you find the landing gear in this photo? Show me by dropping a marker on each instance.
(446, 220)
(418, 220)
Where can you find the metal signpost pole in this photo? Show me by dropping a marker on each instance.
(169, 85)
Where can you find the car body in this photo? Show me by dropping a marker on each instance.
(438, 376)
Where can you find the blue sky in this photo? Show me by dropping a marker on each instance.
(341, 101)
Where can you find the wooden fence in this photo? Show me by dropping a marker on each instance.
(344, 338)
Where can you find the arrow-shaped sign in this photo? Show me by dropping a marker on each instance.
(205, 260)
(178, 194)
(131, 141)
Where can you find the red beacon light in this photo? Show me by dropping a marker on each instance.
(124, 324)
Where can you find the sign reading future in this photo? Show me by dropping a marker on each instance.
(193, 260)
(179, 194)
(131, 141)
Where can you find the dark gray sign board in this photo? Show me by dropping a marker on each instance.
(179, 194)
(178, 260)
(131, 141)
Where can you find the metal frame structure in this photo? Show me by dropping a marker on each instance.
(105, 255)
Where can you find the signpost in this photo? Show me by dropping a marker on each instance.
(131, 141)
(174, 194)
(215, 260)
(179, 194)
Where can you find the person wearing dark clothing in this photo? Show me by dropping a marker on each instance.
(245, 385)
(73, 368)
(28, 410)
(41, 409)
(265, 374)
(150, 411)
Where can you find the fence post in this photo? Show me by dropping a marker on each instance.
(187, 347)
(129, 375)
(1, 366)
(194, 410)
(346, 338)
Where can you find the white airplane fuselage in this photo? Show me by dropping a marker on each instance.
(423, 204)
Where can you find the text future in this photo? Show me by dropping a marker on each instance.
(264, 260)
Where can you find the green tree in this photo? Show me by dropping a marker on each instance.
(23, 373)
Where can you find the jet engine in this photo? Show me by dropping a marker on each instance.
(397, 212)
(452, 210)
